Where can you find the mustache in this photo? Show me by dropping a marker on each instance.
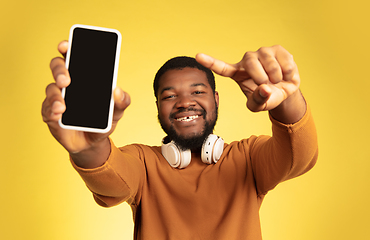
(190, 109)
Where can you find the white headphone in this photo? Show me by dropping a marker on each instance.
(211, 152)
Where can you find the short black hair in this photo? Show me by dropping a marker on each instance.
(179, 63)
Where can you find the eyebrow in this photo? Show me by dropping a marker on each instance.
(192, 85)
(167, 89)
(198, 84)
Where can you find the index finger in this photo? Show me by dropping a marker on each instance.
(217, 66)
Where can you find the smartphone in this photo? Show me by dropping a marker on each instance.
(92, 61)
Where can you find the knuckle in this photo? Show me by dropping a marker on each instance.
(288, 69)
(249, 60)
(49, 88)
(278, 47)
(53, 94)
(264, 52)
(52, 62)
(45, 110)
(272, 67)
(43, 107)
(248, 56)
(56, 64)
(223, 69)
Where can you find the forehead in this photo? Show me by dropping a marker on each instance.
(175, 78)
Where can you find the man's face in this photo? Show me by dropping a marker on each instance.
(187, 107)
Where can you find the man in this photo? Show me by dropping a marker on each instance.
(174, 191)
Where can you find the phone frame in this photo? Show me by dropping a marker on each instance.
(114, 80)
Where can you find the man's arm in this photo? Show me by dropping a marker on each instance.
(270, 80)
(290, 152)
(291, 110)
(88, 150)
(118, 179)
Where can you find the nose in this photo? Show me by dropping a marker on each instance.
(185, 101)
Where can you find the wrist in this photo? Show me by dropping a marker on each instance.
(94, 156)
(291, 110)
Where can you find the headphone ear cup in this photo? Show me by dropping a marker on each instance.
(212, 149)
(174, 156)
(185, 158)
(218, 149)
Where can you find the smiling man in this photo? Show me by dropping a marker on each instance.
(187, 101)
(195, 186)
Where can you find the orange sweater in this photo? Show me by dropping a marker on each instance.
(218, 201)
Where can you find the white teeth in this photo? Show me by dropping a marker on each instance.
(187, 119)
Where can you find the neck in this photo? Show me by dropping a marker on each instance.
(195, 153)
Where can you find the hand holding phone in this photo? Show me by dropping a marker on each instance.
(94, 148)
(92, 61)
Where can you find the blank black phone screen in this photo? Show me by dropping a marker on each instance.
(91, 67)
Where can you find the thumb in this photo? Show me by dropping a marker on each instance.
(217, 66)
(121, 101)
(257, 101)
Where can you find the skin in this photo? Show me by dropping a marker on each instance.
(180, 90)
(88, 150)
(268, 77)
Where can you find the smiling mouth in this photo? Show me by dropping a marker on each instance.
(187, 118)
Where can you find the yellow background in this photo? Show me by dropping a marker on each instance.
(42, 197)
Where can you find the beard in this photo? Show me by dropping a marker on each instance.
(194, 141)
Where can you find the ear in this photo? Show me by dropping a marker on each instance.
(216, 98)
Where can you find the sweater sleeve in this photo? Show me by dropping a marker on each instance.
(291, 151)
(116, 181)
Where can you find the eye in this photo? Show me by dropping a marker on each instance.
(168, 97)
(198, 92)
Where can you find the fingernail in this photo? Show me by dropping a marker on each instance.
(263, 93)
